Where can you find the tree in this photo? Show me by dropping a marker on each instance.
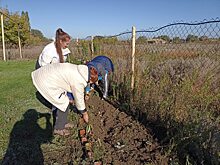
(164, 37)
(37, 33)
(24, 27)
(37, 37)
(15, 25)
(204, 38)
(191, 38)
(11, 29)
(142, 39)
(176, 40)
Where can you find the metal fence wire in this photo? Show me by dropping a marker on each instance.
(181, 40)
(177, 49)
(173, 40)
(177, 78)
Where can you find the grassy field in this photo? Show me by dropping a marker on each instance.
(17, 96)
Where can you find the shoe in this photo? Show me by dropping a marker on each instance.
(62, 132)
(69, 125)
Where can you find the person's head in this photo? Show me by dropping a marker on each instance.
(93, 75)
(62, 41)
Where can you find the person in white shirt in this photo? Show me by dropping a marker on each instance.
(54, 81)
(56, 51)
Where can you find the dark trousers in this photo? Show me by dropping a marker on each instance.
(37, 65)
(60, 119)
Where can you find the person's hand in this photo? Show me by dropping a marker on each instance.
(97, 83)
(85, 117)
(87, 97)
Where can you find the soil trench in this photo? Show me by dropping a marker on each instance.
(117, 139)
(125, 140)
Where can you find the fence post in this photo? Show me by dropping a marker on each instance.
(3, 38)
(92, 46)
(19, 44)
(133, 57)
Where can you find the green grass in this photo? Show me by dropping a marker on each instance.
(26, 126)
(17, 97)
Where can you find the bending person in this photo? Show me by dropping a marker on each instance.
(54, 81)
(104, 67)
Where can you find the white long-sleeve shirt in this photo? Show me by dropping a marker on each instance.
(54, 81)
(49, 55)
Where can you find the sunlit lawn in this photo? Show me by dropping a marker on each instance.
(17, 96)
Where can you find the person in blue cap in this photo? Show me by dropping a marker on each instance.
(104, 67)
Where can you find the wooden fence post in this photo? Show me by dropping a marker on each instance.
(133, 57)
(3, 38)
(19, 43)
(92, 46)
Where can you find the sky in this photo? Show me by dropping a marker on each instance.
(84, 18)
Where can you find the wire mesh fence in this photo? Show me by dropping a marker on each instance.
(177, 81)
(178, 40)
(181, 51)
(181, 41)
(177, 49)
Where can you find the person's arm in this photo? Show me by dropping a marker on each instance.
(66, 52)
(47, 55)
(106, 85)
(78, 93)
(89, 88)
(85, 116)
(87, 91)
(54, 60)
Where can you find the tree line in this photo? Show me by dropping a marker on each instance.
(18, 24)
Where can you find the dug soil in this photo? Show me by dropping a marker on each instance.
(116, 139)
